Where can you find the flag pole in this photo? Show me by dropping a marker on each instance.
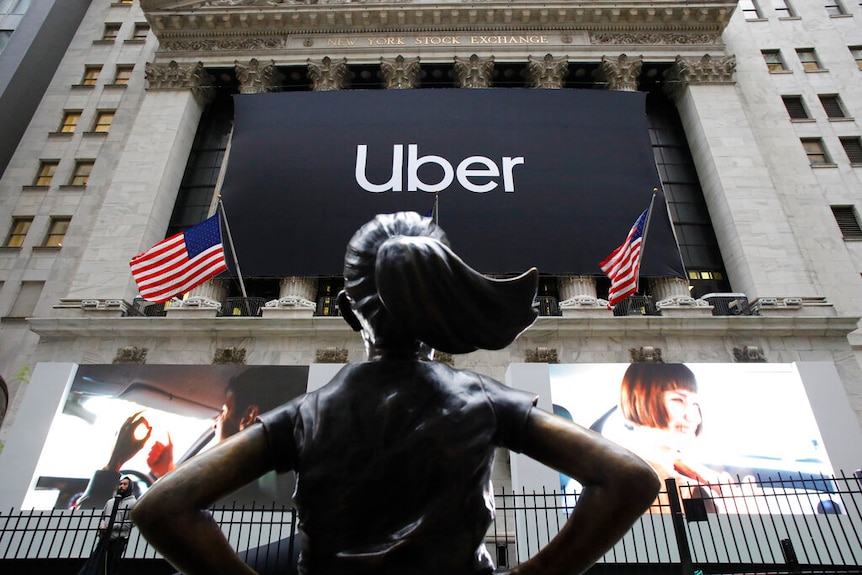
(437, 208)
(644, 235)
(223, 216)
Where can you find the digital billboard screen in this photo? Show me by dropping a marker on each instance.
(143, 420)
(742, 437)
(520, 178)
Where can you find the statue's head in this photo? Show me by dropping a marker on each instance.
(403, 287)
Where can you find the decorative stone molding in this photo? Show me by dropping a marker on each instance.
(131, 354)
(229, 44)
(173, 76)
(400, 74)
(330, 355)
(706, 70)
(327, 75)
(646, 354)
(655, 38)
(443, 357)
(578, 294)
(295, 298)
(229, 356)
(748, 354)
(541, 355)
(621, 73)
(548, 71)
(257, 79)
(474, 72)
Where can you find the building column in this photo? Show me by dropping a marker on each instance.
(327, 74)
(474, 72)
(548, 72)
(255, 78)
(400, 74)
(750, 222)
(296, 298)
(621, 73)
(138, 204)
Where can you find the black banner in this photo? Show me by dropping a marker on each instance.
(546, 178)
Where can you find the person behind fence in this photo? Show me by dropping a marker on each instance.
(393, 456)
(115, 525)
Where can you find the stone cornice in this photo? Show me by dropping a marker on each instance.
(565, 327)
(269, 20)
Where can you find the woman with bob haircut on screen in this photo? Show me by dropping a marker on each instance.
(393, 456)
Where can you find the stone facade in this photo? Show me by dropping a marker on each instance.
(770, 209)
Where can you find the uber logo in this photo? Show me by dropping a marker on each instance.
(472, 167)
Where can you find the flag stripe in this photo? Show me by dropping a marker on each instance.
(168, 269)
(622, 265)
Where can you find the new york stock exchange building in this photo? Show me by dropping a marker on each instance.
(535, 134)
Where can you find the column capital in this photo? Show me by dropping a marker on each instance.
(548, 71)
(326, 74)
(621, 73)
(704, 70)
(474, 72)
(400, 74)
(255, 78)
(174, 76)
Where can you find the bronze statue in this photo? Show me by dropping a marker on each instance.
(393, 456)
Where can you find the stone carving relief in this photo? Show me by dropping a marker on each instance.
(669, 38)
(541, 355)
(330, 355)
(548, 72)
(748, 354)
(646, 354)
(257, 79)
(326, 74)
(474, 72)
(226, 44)
(706, 70)
(621, 73)
(174, 76)
(400, 74)
(229, 355)
(131, 354)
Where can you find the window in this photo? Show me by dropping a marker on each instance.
(26, 300)
(856, 52)
(47, 168)
(783, 9)
(103, 122)
(70, 121)
(795, 107)
(815, 151)
(808, 59)
(56, 232)
(749, 9)
(848, 222)
(123, 75)
(112, 30)
(4, 38)
(82, 172)
(832, 106)
(91, 75)
(853, 149)
(140, 32)
(127, 2)
(834, 8)
(773, 60)
(18, 231)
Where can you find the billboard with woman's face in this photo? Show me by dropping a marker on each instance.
(724, 432)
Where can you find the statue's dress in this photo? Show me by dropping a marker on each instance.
(393, 463)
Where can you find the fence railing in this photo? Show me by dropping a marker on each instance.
(776, 526)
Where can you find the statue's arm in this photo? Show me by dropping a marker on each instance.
(171, 514)
(618, 488)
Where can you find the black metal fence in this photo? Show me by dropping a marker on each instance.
(789, 525)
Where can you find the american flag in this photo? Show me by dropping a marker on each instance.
(624, 262)
(181, 262)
